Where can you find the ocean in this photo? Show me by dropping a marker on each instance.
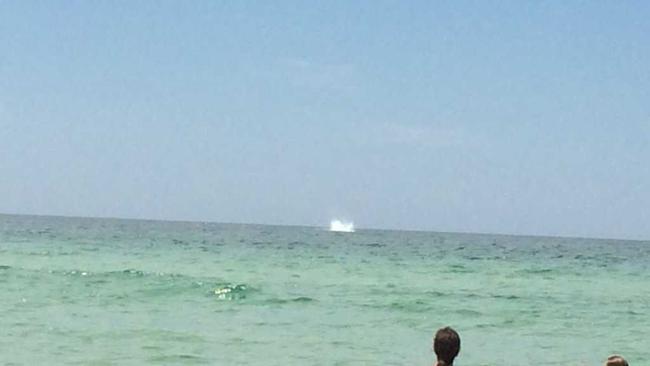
(82, 291)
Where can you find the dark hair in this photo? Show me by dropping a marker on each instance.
(446, 345)
(616, 360)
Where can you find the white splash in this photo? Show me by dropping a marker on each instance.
(340, 226)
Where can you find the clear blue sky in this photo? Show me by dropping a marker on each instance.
(510, 117)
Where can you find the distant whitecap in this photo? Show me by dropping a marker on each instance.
(341, 226)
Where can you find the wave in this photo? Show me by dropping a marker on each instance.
(118, 286)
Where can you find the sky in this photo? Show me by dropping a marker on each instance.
(501, 117)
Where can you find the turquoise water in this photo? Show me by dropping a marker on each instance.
(126, 292)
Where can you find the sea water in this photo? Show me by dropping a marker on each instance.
(77, 291)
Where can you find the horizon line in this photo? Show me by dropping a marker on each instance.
(316, 226)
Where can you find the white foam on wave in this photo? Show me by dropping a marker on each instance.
(341, 226)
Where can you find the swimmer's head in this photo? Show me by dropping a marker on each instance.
(616, 360)
(446, 345)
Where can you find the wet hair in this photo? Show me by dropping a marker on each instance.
(616, 360)
(446, 345)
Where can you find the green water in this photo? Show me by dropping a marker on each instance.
(123, 292)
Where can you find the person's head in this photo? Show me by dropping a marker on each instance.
(615, 360)
(446, 345)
